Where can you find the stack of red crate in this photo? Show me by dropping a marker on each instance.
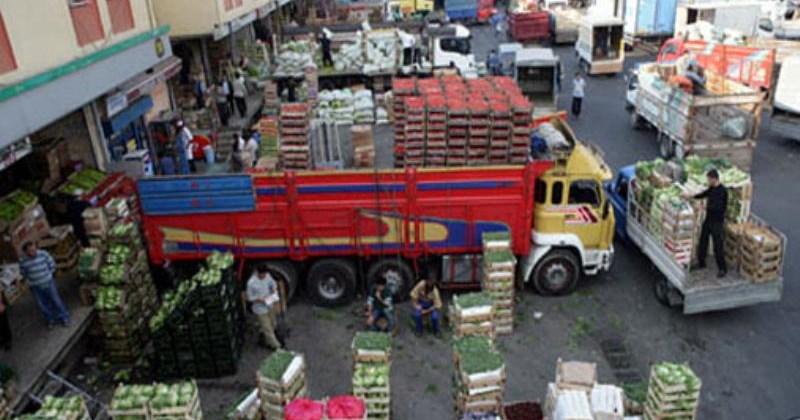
(500, 140)
(457, 131)
(521, 128)
(435, 129)
(414, 132)
(480, 124)
(295, 152)
(402, 89)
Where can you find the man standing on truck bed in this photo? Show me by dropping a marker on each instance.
(717, 203)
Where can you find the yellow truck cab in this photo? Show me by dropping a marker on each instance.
(409, 7)
(573, 228)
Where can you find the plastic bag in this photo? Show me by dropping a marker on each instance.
(304, 409)
(345, 407)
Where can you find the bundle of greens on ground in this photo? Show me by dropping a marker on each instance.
(479, 376)
(372, 372)
(473, 314)
(201, 319)
(673, 392)
(280, 379)
(67, 408)
(499, 266)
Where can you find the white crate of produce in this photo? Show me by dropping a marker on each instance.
(573, 405)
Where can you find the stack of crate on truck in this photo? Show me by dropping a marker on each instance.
(666, 228)
(344, 229)
(722, 121)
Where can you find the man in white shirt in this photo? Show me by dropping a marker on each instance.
(408, 41)
(251, 147)
(240, 95)
(262, 292)
(578, 88)
(184, 144)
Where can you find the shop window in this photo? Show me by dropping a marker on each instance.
(121, 15)
(7, 61)
(86, 21)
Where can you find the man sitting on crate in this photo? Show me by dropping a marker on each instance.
(262, 293)
(427, 302)
(717, 203)
(379, 306)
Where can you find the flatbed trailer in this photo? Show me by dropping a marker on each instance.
(693, 124)
(698, 290)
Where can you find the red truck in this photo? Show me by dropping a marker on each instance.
(748, 65)
(344, 226)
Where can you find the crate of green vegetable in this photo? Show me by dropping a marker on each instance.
(369, 346)
(281, 370)
(175, 401)
(496, 241)
(473, 307)
(481, 368)
(67, 408)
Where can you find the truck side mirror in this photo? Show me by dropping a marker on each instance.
(606, 209)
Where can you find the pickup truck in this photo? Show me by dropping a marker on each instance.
(696, 290)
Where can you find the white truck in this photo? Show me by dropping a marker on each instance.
(600, 45)
(785, 116)
(564, 24)
(722, 122)
(741, 16)
(536, 71)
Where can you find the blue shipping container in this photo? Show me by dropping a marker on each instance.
(645, 18)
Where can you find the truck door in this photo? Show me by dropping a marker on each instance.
(583, 212)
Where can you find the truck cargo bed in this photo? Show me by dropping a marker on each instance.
(701, 289)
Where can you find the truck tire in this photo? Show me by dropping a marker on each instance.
(636, 120)
(665, 146)
(284, 273)
(331, 282)
(557, 273)
(398, 274)
(666, 293)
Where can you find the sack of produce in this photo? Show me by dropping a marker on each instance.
(345, 407)
(735, 128)
(304, 409)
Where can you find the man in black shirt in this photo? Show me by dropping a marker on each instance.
(716, 204)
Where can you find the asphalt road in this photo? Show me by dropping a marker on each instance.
(748, 359)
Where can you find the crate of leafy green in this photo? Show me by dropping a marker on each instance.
(113, 274)
(68, 408)
(496, 241)
(123, 233)
(369, 376)
(109, 298)
(673, 378)
(119, 254)
(280, 371)
(172, 302)
(131, 402)
(471, 307)
(175, 401)
(471, 345)
(219, 261)
(370, 346)
(481, 368)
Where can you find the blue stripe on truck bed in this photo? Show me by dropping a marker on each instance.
(196, 195)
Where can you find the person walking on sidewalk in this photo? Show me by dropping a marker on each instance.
(578, 91)
(262, 292)
(240, 95)
(38, 267)
(716, 196)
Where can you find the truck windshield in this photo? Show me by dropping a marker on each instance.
(456, 45)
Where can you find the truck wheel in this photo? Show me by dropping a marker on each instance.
(665, 146)
(557, 273)
(285, 274)
(666, 294)
(636, 121)
(331, 282)
(398, 274)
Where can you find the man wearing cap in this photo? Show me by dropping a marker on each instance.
(716, 196)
